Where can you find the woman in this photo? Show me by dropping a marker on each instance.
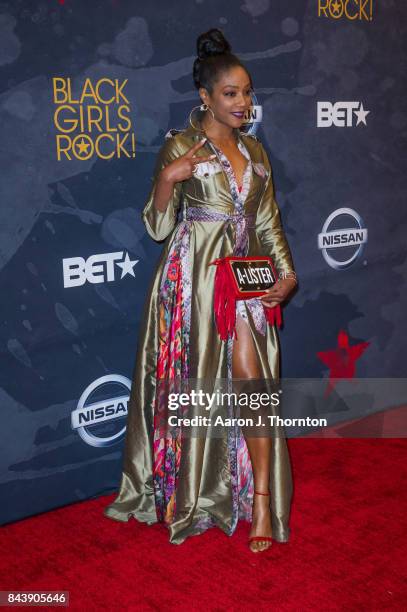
(221, 179)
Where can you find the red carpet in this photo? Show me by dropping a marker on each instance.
(347, 551)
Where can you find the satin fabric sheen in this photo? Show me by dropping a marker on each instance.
(203, 496)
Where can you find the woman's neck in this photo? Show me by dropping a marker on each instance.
(219, 133)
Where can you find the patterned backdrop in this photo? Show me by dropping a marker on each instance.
(88, 91)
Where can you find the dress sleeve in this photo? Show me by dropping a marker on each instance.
(160, 224)
(268, 225)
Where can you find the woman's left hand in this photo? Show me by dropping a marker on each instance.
(278, 293)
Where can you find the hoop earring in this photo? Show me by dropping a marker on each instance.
(205, 107)
(202, 107)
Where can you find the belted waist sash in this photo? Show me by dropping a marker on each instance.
(242, 221)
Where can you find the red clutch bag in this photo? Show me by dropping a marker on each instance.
(240, 278)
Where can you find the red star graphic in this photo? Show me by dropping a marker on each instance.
(341, 360)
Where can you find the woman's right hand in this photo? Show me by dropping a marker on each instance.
(182, 168)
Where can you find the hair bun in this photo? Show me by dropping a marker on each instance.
(212, 43)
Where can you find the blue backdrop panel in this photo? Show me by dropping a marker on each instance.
(88, 91)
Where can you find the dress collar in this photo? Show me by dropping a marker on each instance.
(239, 197)
(246, 146)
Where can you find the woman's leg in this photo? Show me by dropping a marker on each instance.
(245, 365)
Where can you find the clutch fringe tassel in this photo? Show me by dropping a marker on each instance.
(225, 303)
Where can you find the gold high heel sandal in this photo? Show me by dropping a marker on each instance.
(260, 538)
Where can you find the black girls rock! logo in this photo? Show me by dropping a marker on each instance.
(94, 121)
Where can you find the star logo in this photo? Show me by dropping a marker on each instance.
(361, 114)
(82, 147)
(127, 266)
(336, 6)
(341, 360)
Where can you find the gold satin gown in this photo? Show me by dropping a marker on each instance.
(193, 483)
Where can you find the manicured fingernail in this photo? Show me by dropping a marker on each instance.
(213, 156)
(203, 139)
